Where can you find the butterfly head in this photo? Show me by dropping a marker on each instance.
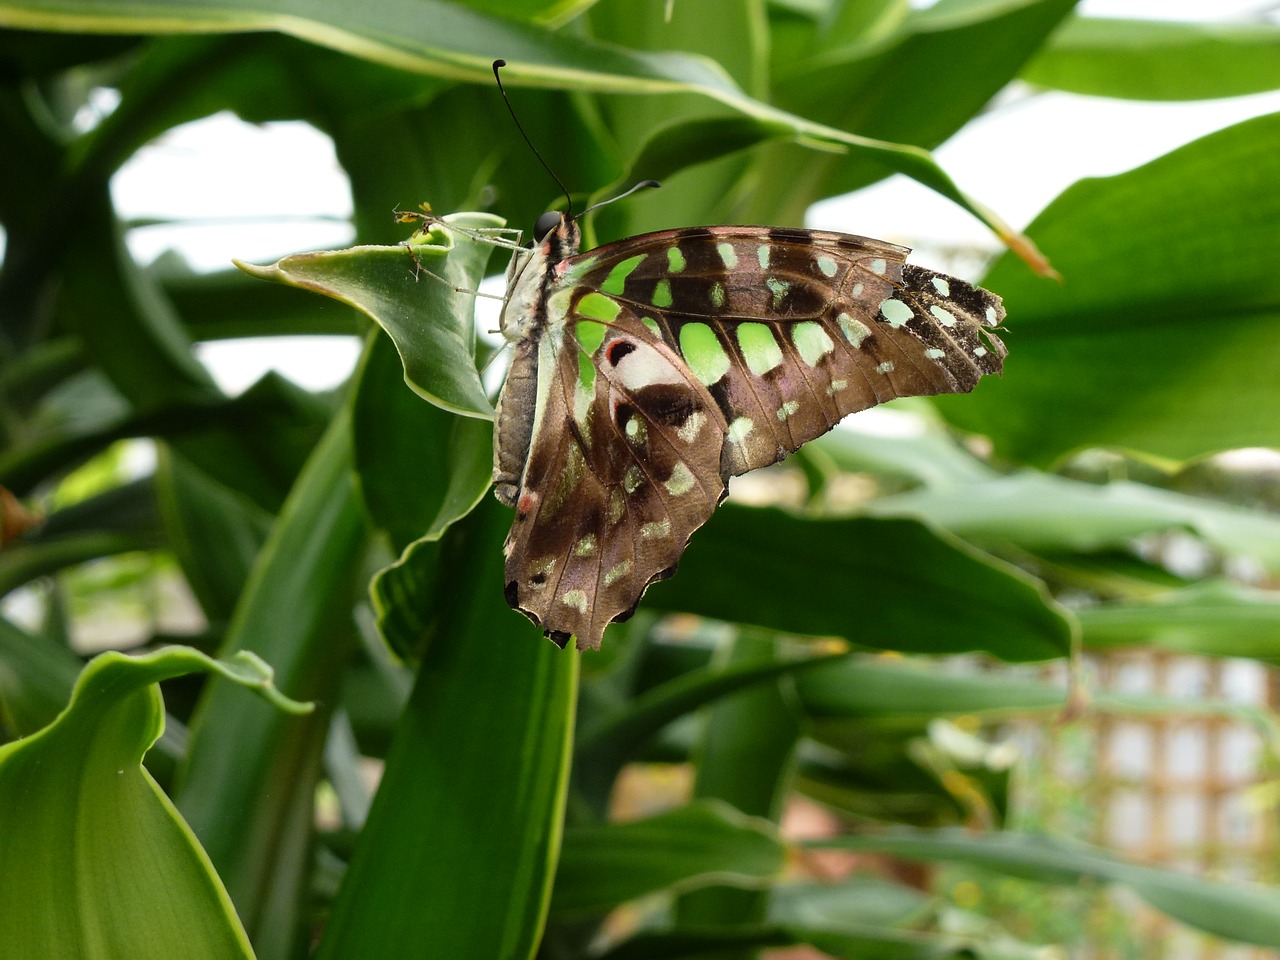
(556, 237)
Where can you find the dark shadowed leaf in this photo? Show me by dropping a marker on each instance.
(892, 584)
(695, 845)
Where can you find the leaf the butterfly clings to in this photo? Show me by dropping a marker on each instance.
(649, 371)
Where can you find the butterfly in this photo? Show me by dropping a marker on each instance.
(649, 371)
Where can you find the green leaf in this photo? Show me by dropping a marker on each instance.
(1158, 60)
(403, 596)
(431, 324)
(933, 459)
(676, 146)
(229, 304)
(879, 583)
(97, 862)
(1247, 913)
(119, 520)
(606, 744)
(852, 941)
(248, 784)
(843, 699)
(702, 843)
(126, 324)
(1039, 511)
(284, 418)
(862, 898)
(1155, 338)
(420, 467)
(865, 688)
(1215, 618)
(36, 677)
(214, 533)
(457, 856)
(882, 80)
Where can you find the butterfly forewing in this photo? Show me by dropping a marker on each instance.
(792, 330)
(653, 369)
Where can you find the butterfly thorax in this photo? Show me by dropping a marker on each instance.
(530, 276)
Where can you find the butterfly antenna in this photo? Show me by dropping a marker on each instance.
(497, 65)
(642, 185)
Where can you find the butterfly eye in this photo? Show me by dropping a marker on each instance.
(546, 223)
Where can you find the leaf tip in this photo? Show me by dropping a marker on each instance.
(262, 272)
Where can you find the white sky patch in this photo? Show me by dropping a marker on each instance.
(313, 362)
(249, 191)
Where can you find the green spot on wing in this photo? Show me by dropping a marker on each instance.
(759, 347)
(943, 316)
(589, 333)
(703, 353)
(811, 341)
(855, 331)
(675, 259)
(577, 267)
(617, 277)
(740, 429)
(727, 255)
(599, 307)
(617, 573)
(662, 293)
(681, 480)
(896, 312)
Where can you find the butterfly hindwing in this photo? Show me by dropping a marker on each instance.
(623, 466)
(650, 371)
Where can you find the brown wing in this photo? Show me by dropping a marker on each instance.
(792, 330)
(624, 464)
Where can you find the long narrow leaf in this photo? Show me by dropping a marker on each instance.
(893, 584)
(248, 785)
(1158, 60)
(457, 855)
(705, 842)
(1238, 912)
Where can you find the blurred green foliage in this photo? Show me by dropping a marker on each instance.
(490, 832)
